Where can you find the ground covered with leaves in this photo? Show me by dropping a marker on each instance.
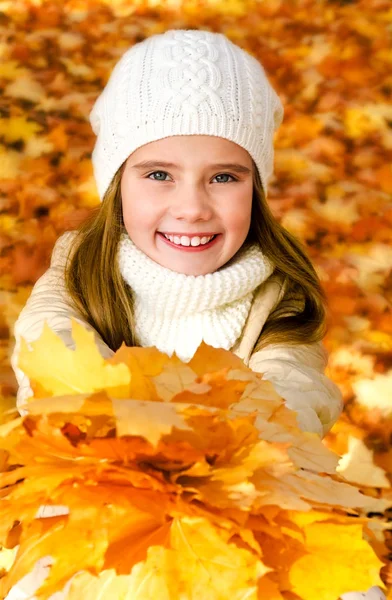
(331, 65)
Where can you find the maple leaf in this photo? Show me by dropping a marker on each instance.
(56, 371)
(201, 563)
(309, 577)
(25, 87)
(357, 466)
(12, 70)
(375, 393)
(18, 128)
(10, 162)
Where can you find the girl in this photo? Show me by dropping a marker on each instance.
(184, 247)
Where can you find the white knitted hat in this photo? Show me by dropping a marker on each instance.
(184, 82)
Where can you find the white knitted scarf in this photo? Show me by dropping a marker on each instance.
(174, 312)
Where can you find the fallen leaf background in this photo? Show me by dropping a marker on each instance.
(330, 62)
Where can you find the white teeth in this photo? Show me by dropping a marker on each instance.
(184, 240)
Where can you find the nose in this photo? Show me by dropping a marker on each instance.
(191, 203)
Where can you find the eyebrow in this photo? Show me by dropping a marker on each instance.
(150, 164)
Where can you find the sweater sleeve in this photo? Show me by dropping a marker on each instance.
(297, 373)
(49, 302)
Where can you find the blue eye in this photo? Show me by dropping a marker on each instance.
(225, 175)
(154, 173)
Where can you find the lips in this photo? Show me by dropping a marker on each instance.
(199, 234)
(188, 247)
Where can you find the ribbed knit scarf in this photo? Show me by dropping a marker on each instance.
(174, 312)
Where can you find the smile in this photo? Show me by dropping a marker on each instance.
(189, 243)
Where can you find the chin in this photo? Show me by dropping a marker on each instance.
(189, 270)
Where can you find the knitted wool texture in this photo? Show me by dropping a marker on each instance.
(175, 312)
(184, 82)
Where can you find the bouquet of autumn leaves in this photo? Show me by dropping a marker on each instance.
(174, 481)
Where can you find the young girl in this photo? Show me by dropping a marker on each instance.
(184, 247)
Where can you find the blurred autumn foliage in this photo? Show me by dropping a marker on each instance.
(330, 62)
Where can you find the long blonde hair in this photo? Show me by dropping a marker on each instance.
(102, 297)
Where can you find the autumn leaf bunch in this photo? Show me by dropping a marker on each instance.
(148, 478)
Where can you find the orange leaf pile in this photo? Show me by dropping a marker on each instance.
(142, 477)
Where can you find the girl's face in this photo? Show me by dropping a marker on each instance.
(188, 188)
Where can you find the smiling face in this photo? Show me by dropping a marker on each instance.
(180, 191)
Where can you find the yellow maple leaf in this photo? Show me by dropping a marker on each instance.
(26, 87)
(11, 69)
(60, 370)
(375, 393)
(338, 546)
(148, 419)
(378, 339)
(359, 121)
(10, 161)
(18, 128)
(337, 209)
(173, 380)
(357, 466)
(106, 585)
(201, 563)
(7, 557)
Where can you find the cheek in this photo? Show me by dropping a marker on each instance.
(239, 216)
(139, 209)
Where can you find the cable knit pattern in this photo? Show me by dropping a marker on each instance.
(184, 82)
(176, 312)
(191, 74)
